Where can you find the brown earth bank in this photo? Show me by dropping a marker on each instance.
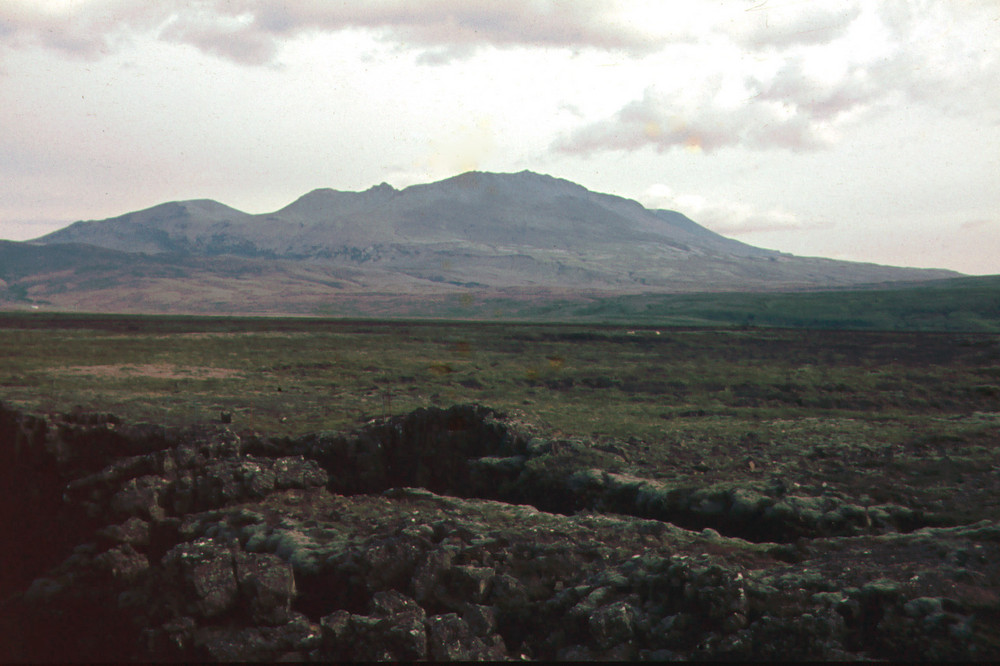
(459, 534)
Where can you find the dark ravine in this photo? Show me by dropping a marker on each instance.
(452, 534)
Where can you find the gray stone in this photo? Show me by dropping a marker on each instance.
(141, 498)
(481, 619)
(472, 584)
(206, 576)
(403, 636)
(335, 629)
(451, 639)
(390, 603)
(267, 584)
(429, 574)
(611, 625)
(133, 531)
(922, 606)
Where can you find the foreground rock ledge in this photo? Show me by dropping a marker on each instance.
(452, 534)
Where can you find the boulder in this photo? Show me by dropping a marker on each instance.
(611, 625)
(204, 573)
(451, 639)
(266, 585)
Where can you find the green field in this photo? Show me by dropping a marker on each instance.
(960, 304)
(685, 401)
(298, 375)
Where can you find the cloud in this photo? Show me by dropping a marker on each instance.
(955, 66)
(251, 31)
(707, 123)
(980, 224)
(725, 217)
(86, 30)
(231, 37)
(780, 25)
(802, 98)
(791, 109)
(856, 88)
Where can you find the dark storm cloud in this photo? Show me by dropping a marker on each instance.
(250, 31)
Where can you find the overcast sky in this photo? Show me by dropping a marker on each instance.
(848, 129)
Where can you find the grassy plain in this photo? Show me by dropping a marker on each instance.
(870, 413)
(958, 304)
(292, 376)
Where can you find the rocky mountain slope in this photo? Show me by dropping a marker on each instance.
(474, 233)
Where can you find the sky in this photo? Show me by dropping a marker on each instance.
(850, 129)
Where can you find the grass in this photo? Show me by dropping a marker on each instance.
(961, 304)
(295, 376)
(877, 417)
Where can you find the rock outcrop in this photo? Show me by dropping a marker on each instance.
(452, 534)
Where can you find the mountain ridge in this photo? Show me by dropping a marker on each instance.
(473, 233)
(553, 209)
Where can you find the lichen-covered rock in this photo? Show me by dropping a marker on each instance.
(451, 639)
(205, 545)
(122, 563)
(430, 574)
(134, 532)
(394, 630)
(266, 585)
(204, 572)
(470, 584)
(401, 632)
(481, 619)
(612, 625)
(141, 497)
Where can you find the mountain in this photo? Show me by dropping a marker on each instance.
(521, 232)
(477, 210)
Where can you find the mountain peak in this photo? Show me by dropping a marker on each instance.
(515, 184)
(522, 229)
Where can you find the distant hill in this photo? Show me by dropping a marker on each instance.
(523, 233)
(474, 210)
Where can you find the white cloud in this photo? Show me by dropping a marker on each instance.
(812, 84)
(706, 123)
(780, 25)
(84, 29)
(251, 31)
(730, 218)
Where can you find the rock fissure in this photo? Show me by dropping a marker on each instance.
(469, 452)
(448, 534)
